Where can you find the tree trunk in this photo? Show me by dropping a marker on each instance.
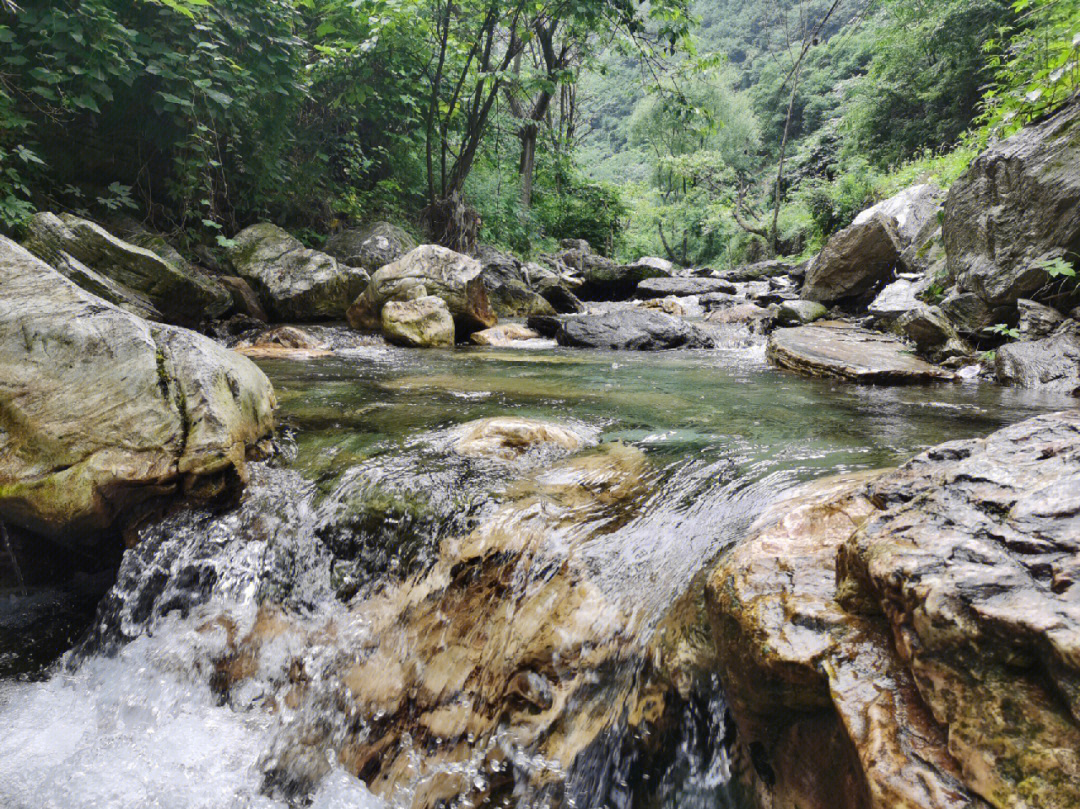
(528, 162)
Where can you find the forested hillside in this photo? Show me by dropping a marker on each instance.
(709, 134)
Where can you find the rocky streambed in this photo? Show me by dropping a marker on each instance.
(394, 526)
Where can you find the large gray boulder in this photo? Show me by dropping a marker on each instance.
(1052, 363)
(430, 270)
(1018, 204)
(294, 282)
(130, 276)
(855, 262)
(371, 246)
(101, 411)
(682, 287)
(913, 211)
(605, 280)
(630, 330)
(841, 351)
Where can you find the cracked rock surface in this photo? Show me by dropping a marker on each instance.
(100, 410)
(912, 638)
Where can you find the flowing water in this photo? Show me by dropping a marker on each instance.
(458, 631)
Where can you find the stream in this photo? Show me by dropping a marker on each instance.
(458, 631)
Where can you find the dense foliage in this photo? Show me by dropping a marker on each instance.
(709, 135)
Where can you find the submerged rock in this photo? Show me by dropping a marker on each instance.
(508, 438)
(101, 411)
(294, 283)
(370, 246)
(854, 262)
(1018, 204)
(421, 323)
(441, 273)
(630, 330)
(504, 335)
(134, 277)
(847, 352)
(504, 646)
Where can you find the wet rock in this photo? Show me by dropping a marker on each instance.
(285, 342)
(508, 639)
(756, 318)
(507, 438)
(559, 296)
(244, 299)
(682, 287)
(442, 273)
(370, 247)
(1037, 320)
(293, 282)
(829, 715)
(854, 262)
(630, 330)
(973, 564)
(504, 335)
(1052, 363)
(1018, 204)
(133, 276)
(421, 323)
(799, 312)
(103, 411)
(841, 351)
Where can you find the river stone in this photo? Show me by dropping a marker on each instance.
(913, 211)
(755, 272)
(507, 438)
(799, 312)
(421, 323)
(293, 282)
(682, 287)
(755, 318)
(444, 274)
(181, 293)
(854, 262)
(1017, 204)
(826, 711)
(927, 327)
(244, 298)
(630, 330)
(973, 562)
(498, 267)
(509, 637)
(842, 351)
(971, 314)
(898, 298)
(1052, 363)
(371, 246)
(1037, 320)
(604, 280)
(512, 299)
(504, 335)
(101, 411)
